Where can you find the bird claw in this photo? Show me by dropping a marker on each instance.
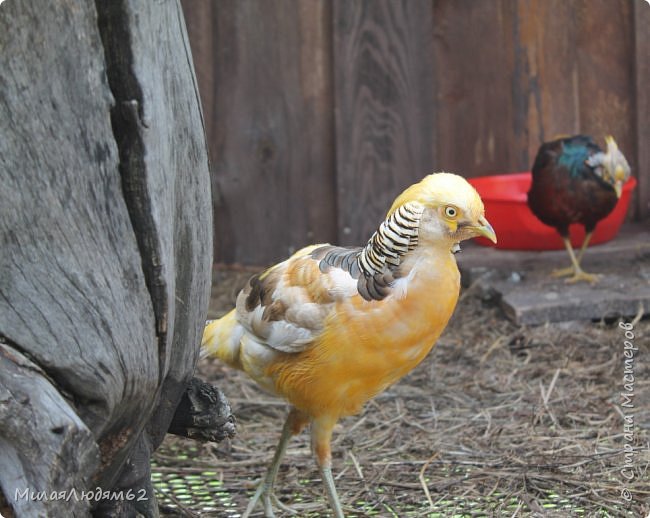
(579, 276)
(264, 491)
(563, 272)
(269, 499)
(282, 506)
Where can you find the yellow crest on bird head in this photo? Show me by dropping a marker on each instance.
(440, 189)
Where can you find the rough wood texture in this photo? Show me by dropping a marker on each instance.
(618, 294)
(271, 125)
(642, 110)
(412, 86)
(384, 107)
(546, 67)
(482, 105)
(529, 295)
(44, 445)
(542, 68)
(105, 225)
(606, 75)
(604, 69)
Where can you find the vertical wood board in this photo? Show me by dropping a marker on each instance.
(405, 87)
(383, 59)
(642, 104)
(272, 143)
(606, 74)
(545, 75)
(481, 107)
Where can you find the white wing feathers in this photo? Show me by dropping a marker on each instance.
(285, 308)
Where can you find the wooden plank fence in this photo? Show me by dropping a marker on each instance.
(319, 112)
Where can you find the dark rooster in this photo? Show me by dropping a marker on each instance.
(574, 181)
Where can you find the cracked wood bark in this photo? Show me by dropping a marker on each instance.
(105, 244)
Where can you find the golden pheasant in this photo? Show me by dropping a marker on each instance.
(331, 327)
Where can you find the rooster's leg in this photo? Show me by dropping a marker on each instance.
(569, 270)
(321, 435)
(294, 423)
(584, 246)
(578, 273)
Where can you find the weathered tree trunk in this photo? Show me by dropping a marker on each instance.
(105, 247)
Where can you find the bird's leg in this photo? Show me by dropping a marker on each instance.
(584, 246)
(321, 435)
(569, 270)
(578, 274)
(293, 425)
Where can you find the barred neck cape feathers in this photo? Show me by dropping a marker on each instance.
(376, 266)
(395, 236)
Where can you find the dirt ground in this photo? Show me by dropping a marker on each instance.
(499, 420)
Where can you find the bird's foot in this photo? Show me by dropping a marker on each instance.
(266, 494)
(282, 506)
(579, 276)
(563, 272)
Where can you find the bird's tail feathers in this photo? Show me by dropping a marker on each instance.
(222, 338)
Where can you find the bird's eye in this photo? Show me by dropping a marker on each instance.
(451, 212)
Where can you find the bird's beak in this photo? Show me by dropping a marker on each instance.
(618, 187)
(484, 229)
(619, 176)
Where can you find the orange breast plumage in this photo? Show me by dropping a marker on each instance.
(365, 346)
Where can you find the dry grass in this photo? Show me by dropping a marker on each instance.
(499, 420)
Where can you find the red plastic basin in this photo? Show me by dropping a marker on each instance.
(517, 228)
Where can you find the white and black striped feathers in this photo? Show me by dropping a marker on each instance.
(376, 266)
